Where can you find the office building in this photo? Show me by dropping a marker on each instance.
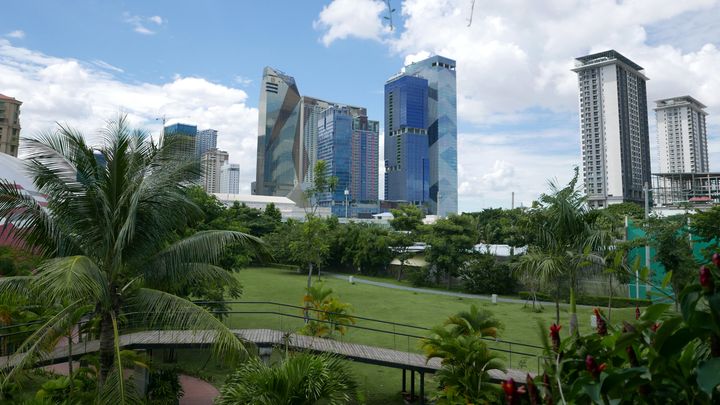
(288, 145)
(347, 142)
(210, 163)
(364, 160)
(279, 151)
(614, 128)
(682, 135)
(184, 135)
(230, 178)
(407, 162)
(204, 141)
(421, 107)
(9, 125)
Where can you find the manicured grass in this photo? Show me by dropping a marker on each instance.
(425, 310)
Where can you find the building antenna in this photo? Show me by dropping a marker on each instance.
(389, 16)
(472, 10)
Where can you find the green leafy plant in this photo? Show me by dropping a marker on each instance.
(299, 379)
(662, 356)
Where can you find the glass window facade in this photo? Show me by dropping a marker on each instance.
(279, 148)
(441, 131)
(407, 164)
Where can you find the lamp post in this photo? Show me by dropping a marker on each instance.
(347, 194)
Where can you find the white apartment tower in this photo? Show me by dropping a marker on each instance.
(230, 178)
(682, 135)
(614, 128)
(211, 162)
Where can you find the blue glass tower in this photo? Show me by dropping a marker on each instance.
(335, 148)
(441, 131)
(407, 163)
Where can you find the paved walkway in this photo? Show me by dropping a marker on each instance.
(433, 291)
(197, 391)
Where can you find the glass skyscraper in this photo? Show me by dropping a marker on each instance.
(364, 160)
(347, 142)
(407, 164)
(441, 131)
(279, 162)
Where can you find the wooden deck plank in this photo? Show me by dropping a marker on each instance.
(264, 337)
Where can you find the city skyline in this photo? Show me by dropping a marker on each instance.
(517, 99)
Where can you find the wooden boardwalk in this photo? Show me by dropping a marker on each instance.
(261, 338)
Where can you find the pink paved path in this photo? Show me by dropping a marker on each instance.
(197, 391)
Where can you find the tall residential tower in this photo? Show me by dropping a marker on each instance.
(682, 135)
(9, 125)
(614, 128)
(413, 118)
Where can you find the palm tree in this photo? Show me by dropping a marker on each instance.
(301, 379)
(474, 322)
(465, 357)
(110, 231)
(568, 241)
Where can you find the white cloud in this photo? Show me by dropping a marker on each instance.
(17, 34)
(85, 95)
(139, 23)
(243, 81)
(351, 18)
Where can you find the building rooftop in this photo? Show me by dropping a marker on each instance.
(6, 98)
(250, 198)
(607, 56)
(674, 101)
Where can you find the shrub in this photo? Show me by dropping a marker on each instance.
(483, 275)
(420, 277)
(164, 387)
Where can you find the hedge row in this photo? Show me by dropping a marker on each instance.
(594, 300)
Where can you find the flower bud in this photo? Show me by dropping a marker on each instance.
(716, 259)
(706, 279)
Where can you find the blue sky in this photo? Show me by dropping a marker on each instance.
(201, 62)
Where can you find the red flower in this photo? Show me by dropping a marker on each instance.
(532, 389)
(655, 327)
(508, 387)
(592, 367)
(706, 280)
(637, 312)
(716, 259)
(555, 336)
(601, 325)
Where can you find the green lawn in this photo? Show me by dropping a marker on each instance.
(381, 385)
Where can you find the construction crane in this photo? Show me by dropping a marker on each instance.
(472, 10)
(389, 14)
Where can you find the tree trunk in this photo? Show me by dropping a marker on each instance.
(610, 296)
(573, 313)
(107, 355)
(557, 304)
(400, 272)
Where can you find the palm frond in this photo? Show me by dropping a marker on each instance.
(164, 310)
(74, 278)
(202, 247)
(45, 338)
